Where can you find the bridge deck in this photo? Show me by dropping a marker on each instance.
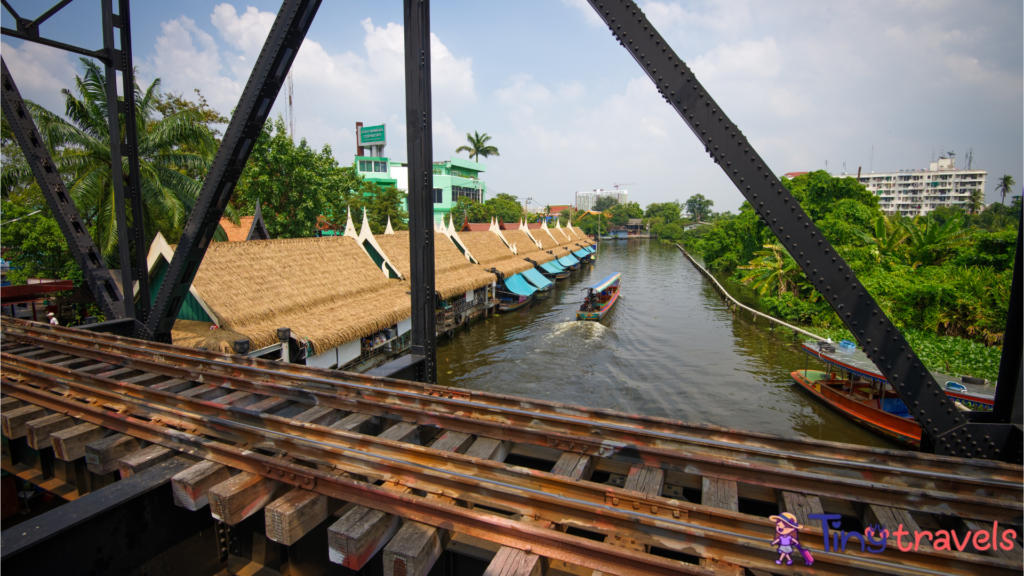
(569, 483)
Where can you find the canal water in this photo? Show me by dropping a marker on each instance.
(670, 348)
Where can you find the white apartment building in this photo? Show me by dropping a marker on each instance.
(587, 200)
(917, 192)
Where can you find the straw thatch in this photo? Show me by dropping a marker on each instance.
(491, 252)
(453, 273)
(327, 290)
(195, 334)
(526, 248)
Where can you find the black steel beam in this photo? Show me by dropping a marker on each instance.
(1009, 397)
(88, 257)
(129, 527)
(279, 50)
(116, 166)
(28, 30)
(945, 430)
(419, 137)
(129, 149)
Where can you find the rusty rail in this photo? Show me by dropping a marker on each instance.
(160, 417)
(986, 491)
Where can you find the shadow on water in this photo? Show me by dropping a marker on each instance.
(669, 348)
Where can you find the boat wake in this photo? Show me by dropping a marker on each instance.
(589, 331)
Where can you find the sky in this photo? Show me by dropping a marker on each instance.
(880, 86)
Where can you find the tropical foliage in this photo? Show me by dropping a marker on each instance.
(504, 207)
(175, 150)
(296, 184)
(1005, 186)
(946, 274)
(478, 146)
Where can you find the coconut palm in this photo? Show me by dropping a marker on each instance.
(772, 270)
(478, 146)
(976, 201)
(169, 149)
(1005, 186)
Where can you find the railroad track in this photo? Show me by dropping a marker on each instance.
(982, 490)
(249, 417)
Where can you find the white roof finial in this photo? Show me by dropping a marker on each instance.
(389, 229)
(350, 230)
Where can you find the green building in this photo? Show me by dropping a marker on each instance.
(453, 179)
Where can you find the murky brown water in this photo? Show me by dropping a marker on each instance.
(670, 348)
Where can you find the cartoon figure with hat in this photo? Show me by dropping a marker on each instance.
(787, 536)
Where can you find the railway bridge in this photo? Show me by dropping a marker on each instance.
(311, 471)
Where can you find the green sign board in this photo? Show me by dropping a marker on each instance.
(372, 135)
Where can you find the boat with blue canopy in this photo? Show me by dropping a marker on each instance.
(600, 298)
(538, 280)
(582, 254)
(554, 270)
(517, 293)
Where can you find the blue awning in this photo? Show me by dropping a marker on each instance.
(552, 267)
(568, 260)
(609, 281)
(536, 278)
(517, 285)
(581, 254)
(591, 249)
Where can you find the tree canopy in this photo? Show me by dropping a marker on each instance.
(605, 203)
(295, 184)
(697, 206)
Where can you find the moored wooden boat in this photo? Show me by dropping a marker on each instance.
(508, 302)
(859, 400)
(600, 298)
(847, 358)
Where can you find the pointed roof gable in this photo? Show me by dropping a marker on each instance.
(369, 245)
(248, 227)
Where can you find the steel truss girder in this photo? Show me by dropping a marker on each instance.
(944, 429)
(418, 123)
(653, 520)
(83, 249)
(279, 50)
(126, 191)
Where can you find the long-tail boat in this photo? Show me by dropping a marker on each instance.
(600, 298)
(856, 389)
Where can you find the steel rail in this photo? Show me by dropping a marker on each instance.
(603, 446)
(886, 460)
(471, 479)
(432, 511)
(522, 427)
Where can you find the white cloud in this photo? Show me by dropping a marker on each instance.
(332, 90)
(40, 72)
(186, 57)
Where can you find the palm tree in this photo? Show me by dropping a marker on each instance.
(772, 269)
(1005, 186)
(478, 146)
(929, 242)
(976, 201)
(169, 149)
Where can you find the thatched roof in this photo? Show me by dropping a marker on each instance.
(491, 252)
(526, 247)
(453, 273)
(327, 290)
(195, 334)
